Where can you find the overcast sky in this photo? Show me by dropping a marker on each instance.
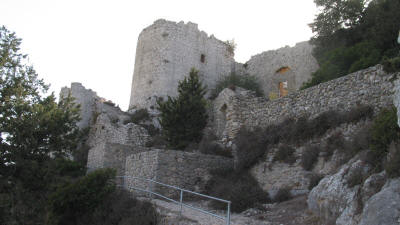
(94, 41)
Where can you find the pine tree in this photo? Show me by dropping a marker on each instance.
(184, 117)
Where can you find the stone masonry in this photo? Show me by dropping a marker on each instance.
(371, 86)
(166, 51)
(288, 66)
(182, 169)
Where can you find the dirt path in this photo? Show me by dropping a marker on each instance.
(292, 212)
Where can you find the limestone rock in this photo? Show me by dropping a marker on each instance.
(384, 207)
(333, 200)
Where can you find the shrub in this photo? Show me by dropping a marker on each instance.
(282, 195)
(333, 142)
(151, 129)
(209, 146)
(325, 121)
(157, 141)
(355, 178)
(383, 132)
(183, 118)
(392, 166)
(360, 141)
(250, 147)
(71, 202)
(315, 178)
(240, 188)
(121, 208)
(359, 112)
(391, 65)
(138, 116)
(285, 154)
(248, 82)
(309, 157)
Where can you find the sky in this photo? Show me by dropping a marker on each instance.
(94, 41)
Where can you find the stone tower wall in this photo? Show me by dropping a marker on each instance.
(166, 51)
(293, 65)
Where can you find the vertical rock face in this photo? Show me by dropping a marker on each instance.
(396, 99)
(166, 51)
(283, 70)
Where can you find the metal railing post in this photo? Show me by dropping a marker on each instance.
(180, 201)
(228, 216)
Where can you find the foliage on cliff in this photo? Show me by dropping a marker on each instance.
(353, 35)
(184, 117)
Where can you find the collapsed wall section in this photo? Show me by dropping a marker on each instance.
(166, 52)
(182, 169)
(371, 86)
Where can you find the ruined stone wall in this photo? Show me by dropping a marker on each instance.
(86, 98)
(111, 155)
(166, 51)
(292, 65)
(183, 169)
(113, 130)
(371, 86)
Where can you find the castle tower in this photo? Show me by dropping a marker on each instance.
(165, 53)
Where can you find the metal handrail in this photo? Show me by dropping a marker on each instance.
(227, 218)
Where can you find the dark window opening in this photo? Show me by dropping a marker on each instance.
(203, 58)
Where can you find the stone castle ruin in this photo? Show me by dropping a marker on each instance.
(166, 51)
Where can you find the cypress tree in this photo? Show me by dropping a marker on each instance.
(184, 117)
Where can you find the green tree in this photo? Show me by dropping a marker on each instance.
(184, 117)
(352, 35)
(337, 14)
(32, 128)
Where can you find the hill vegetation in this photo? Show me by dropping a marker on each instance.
(353, 35)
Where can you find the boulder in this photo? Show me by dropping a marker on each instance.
(383, 208)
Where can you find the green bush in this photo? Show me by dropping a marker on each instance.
(121, 208)
(355, 178)
(392, 166)
(391, 65)
(309, 157)
(248, 82)
(183, 118)
(285, 154)
(333, 142)
(208, 146)
(72, 202)
(251, 147)
(282, 195)
(344, 60)
(240, 188)
(384, 131)
(314, 180)
(138, 116)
